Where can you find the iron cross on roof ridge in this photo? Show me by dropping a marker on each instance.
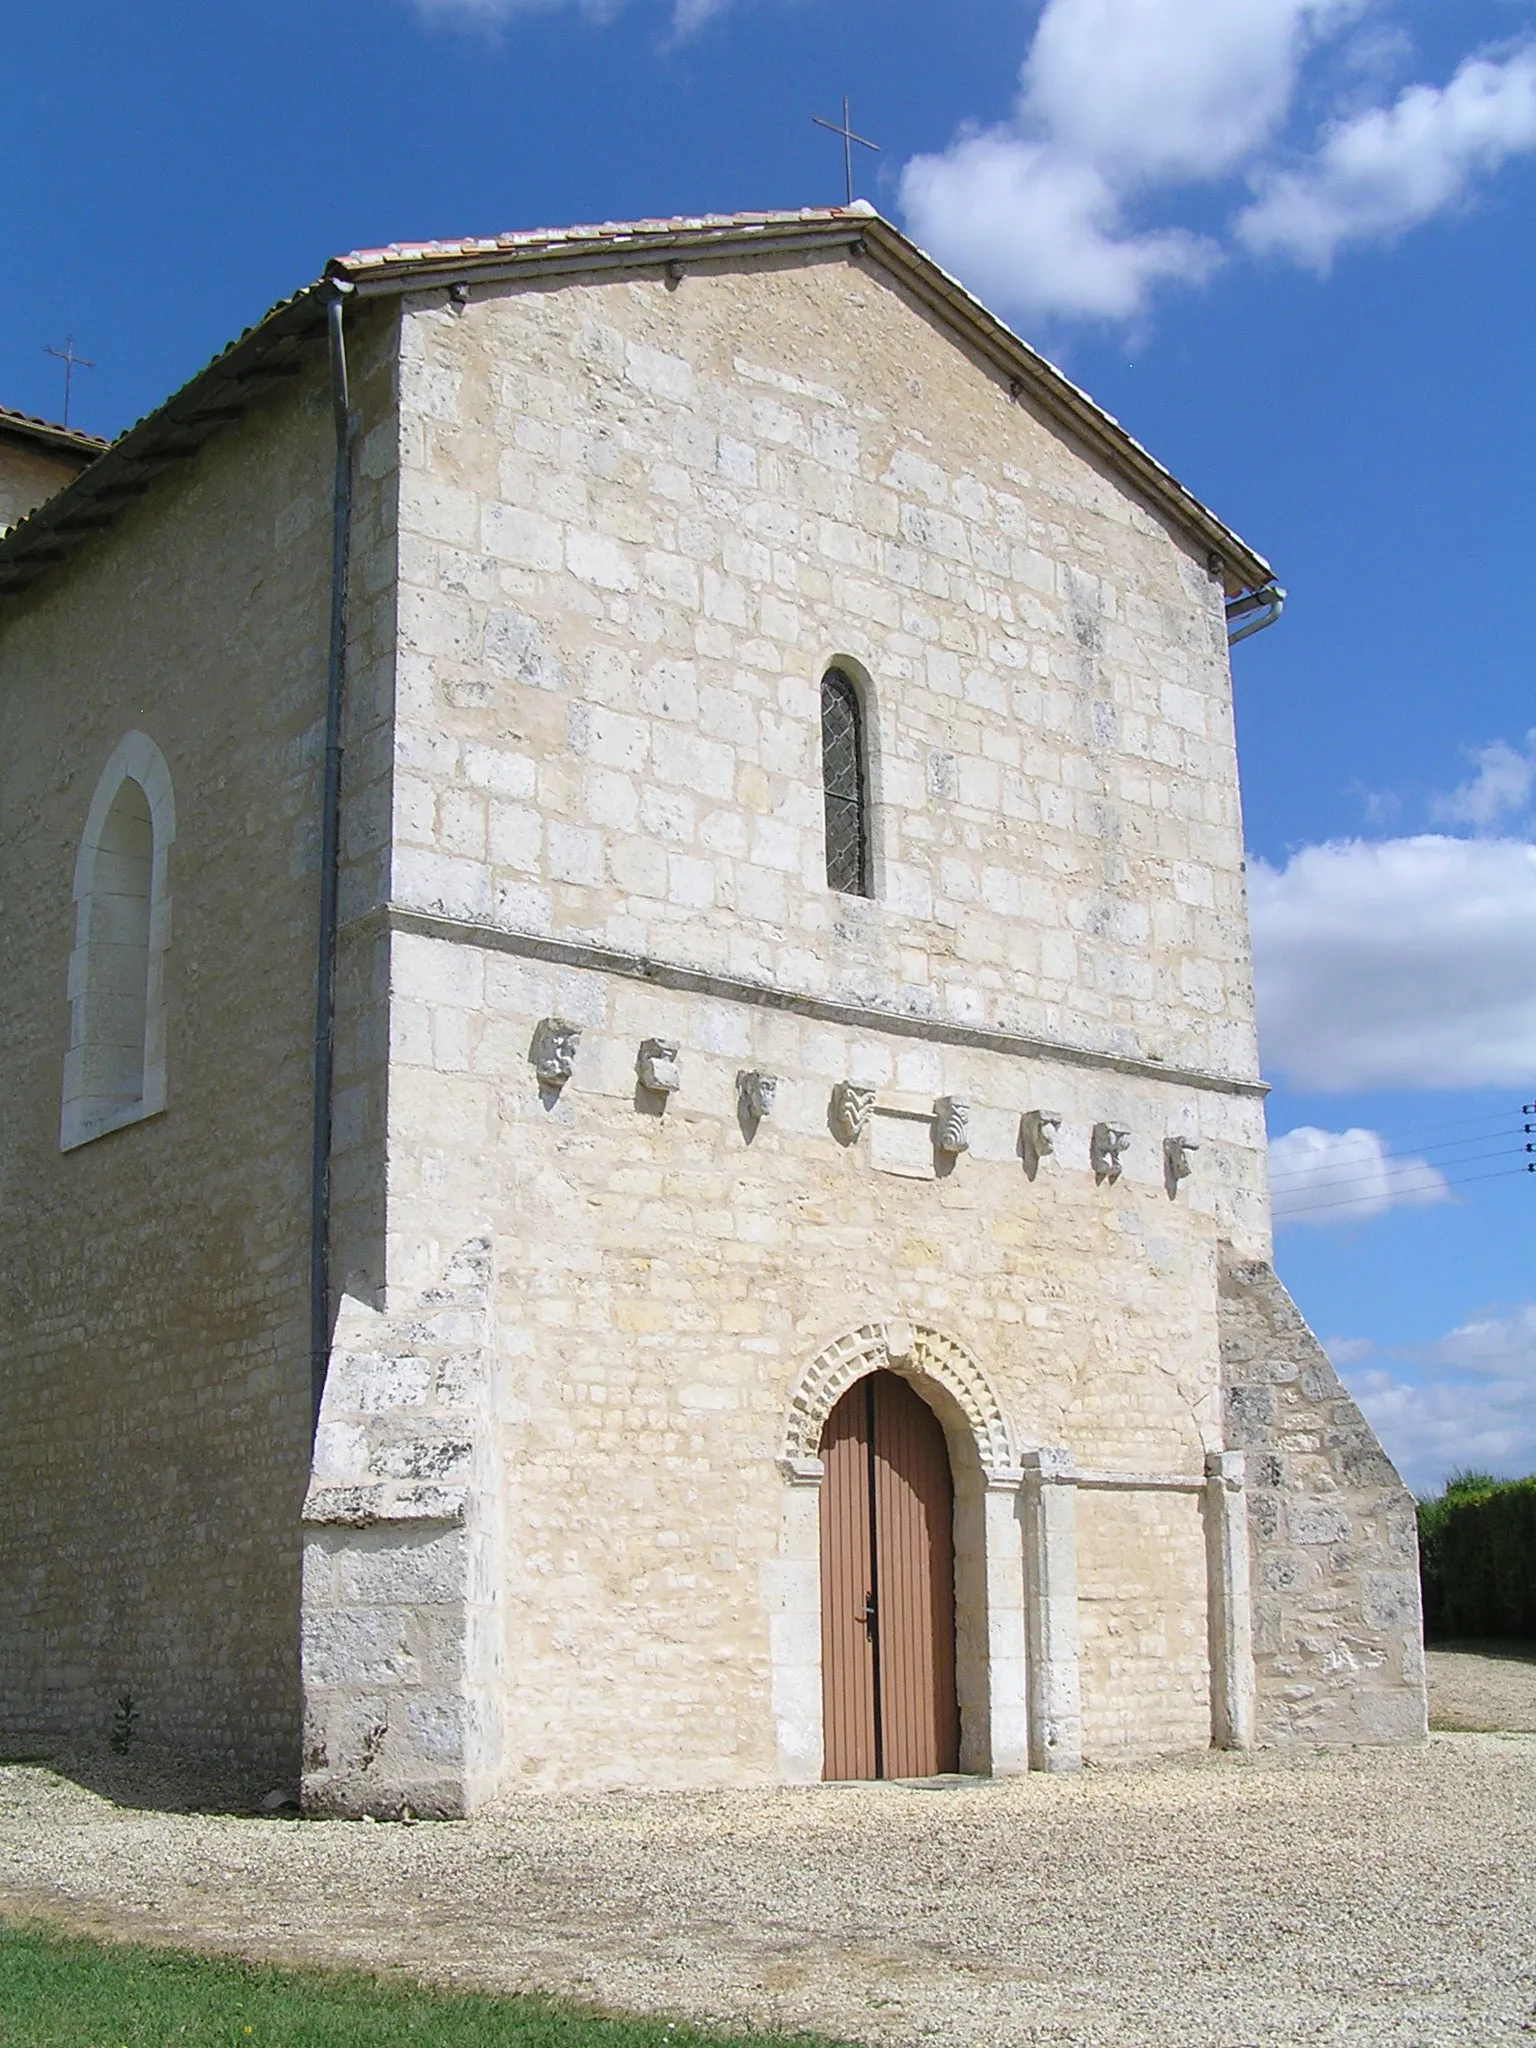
(849, 139)
(71, 362)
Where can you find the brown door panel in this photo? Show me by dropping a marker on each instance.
(915, 1567)
(847, 1639)
(887, 1587)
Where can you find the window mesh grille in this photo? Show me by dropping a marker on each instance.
(842, 781)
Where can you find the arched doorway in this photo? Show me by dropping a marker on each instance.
(889, 1706)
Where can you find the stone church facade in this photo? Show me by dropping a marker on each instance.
(742, 752)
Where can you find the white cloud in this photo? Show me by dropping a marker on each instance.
(1027, 226)
(1467, 1400)
(1343, 1351)
(1501, 787)
(1403, 963)
(1387, 169)
(1116, 97)
(1337, 1178)
(1121, 103)
(1168, 89)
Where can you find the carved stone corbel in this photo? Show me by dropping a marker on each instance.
(657, 1067)
(852, 1108)
(553, 1053)
(1037, 1137)
(1106, 1150)
(758, 1092)
(951, 1126)
(1177, 1163)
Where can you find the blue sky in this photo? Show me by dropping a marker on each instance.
(1289, 243)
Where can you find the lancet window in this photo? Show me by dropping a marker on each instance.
(845, 785)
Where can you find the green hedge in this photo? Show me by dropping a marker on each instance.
(1477, 1557)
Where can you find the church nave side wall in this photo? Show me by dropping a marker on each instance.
(154, 1367)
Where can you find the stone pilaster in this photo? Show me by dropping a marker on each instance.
(1229, 1603)
(1050, 1552)
(1007, 1626)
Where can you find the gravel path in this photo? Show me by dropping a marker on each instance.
(1483, 1686)
(1369, 1896)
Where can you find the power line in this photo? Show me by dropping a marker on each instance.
(1302, 1175)
(1384, 1200)
(1414, 1133)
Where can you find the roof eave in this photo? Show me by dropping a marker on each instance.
(223, 390)
(45, 434)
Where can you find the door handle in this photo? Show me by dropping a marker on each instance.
(866, 1613)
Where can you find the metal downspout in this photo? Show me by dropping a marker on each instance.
(1269, 600)
(330, 849)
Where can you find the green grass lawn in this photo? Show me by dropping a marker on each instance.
(61, 1993)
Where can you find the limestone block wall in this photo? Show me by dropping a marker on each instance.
(637, 524)
(1145, 1662)
(154, 1374)
(1338, 1636)
(665, 1276)
(403, 1559)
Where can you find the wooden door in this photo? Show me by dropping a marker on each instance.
(887, 1587)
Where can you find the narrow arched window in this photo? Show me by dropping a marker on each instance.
(114, 1072)
(845, 785)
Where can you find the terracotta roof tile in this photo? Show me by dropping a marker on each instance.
(49, 432)
(602, 231)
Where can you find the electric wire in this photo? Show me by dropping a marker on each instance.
(1401, 1168)
(1446, 1146)
(1383, 1199)
(1413, 1132)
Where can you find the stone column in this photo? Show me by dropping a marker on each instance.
(1229, 1605)
(1007, 1662)
(1050, 1556)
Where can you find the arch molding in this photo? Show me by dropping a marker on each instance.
(917, 1351)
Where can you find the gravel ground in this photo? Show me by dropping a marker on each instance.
(1483, 1686)
(1368, 1896)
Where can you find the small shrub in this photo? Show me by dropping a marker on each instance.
(125, 1721)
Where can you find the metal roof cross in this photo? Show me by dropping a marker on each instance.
(849, 139)
(72, 362)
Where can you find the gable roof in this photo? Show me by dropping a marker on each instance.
(48, 436)
(276, 346)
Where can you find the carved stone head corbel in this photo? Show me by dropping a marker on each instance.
(1177, 1163)
(852, 1108)
(555, 1040)
(1037, 1137)
(656, 1065)
(757, 1093)
(1106, 1150)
